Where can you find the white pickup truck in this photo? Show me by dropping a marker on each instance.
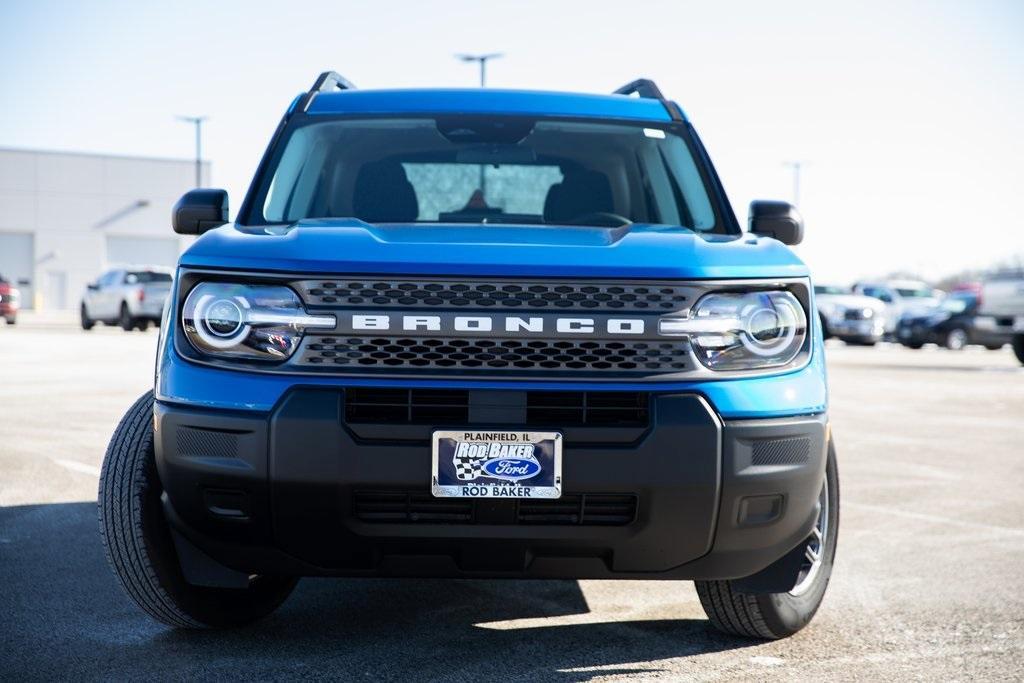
(130, 297)
(1002, 309)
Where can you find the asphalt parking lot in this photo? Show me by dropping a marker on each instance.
(927, 585)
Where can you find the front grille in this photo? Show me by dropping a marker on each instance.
(496, 355)
(521, 294)
(372, 405)
(415, 507)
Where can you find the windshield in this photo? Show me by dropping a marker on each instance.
(917, 293)
(462, 169)
(958, 302)
(828, 289)
(146, 277)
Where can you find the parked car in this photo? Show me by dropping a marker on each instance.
(129, 297)
(954, 323)
(1002, 309)
(580, 368)
(853, 318)
(9, 301)
(901, 297)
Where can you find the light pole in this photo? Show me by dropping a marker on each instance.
(197, 121)
(482, 60)
(796, 167)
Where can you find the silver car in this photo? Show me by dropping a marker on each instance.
(130, 297)
(854, 318)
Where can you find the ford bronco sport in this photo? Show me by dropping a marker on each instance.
(480, 333)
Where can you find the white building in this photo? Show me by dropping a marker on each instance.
(66, 217)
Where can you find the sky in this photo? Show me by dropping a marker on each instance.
(907, 116)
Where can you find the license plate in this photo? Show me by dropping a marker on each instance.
(496, 464)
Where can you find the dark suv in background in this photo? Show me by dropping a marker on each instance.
(954, 323)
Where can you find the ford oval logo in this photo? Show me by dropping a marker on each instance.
(512, 469)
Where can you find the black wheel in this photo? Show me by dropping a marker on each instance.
(141, 551)
(957, 339)
(1018, 347)
(125, 318)
(141, 325)
(994, 347)
(87, 322)
(914, 345)
(11, 321)
(778, 615)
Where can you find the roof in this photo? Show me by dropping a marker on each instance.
(489, 101)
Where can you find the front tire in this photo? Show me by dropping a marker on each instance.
(139, 547)
(87, 322)
(125, 318)
(779, 615)
(957, 339)
(1018, 347)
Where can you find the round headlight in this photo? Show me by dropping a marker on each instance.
(748, 330)
(247, 321)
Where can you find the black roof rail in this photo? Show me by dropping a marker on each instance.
(328, 81)
(645, 87)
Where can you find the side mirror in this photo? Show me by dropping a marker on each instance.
(200, 210)
(780, 220)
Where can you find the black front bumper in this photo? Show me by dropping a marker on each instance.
(301, 491)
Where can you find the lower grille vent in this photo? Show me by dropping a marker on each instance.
(593, 408)
(414, 507)
(408, 406)
(781, 451)
(405, 507)
(589, 509)
(559, 409)
(206, 443)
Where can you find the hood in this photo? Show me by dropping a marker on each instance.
(351, 246)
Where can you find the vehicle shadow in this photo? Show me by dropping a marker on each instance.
(62, 614)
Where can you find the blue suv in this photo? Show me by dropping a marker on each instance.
(480, 333)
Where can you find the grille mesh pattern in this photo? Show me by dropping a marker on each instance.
(781, 451)
(522, 294)
(206, 443)
(413, 507)
(494, 354)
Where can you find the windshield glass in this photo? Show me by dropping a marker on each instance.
(922, 293)
(146, 276)
(462, 169)
(958, 302)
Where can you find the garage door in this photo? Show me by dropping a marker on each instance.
(17, 256)
(141, 251)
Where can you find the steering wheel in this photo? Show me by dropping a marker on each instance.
(601, 219)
